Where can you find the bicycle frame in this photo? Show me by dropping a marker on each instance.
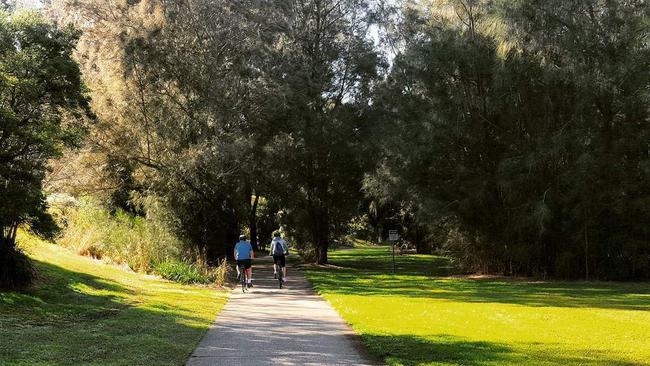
(243, 275)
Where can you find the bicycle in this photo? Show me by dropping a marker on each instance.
(242, 276)
(280, 274)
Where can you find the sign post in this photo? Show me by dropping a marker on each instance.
(393, 236)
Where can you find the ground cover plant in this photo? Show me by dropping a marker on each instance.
(418, 317)
(81, 311)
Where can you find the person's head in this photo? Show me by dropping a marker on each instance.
(276, 234)
(242, 237)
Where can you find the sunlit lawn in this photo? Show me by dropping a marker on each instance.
(416, 318)
(84, 312)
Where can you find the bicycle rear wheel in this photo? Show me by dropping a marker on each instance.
(242, 270)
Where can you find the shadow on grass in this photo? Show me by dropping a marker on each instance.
(450, 350)
(72, 318)
(368, 273)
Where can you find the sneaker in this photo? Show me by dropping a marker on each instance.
(284, 279)
(250, 284)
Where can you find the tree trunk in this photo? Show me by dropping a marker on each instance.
(323, 238)
(586, 254)
(8, 237)
(420, 245)
(252, 222)
(378, 234)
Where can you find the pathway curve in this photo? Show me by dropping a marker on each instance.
(272, 326)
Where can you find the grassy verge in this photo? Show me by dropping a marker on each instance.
(419, 318)
(84, 312)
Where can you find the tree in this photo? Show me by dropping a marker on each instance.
(180, 94)
(42, 104)
(327, 69)
(533, 145)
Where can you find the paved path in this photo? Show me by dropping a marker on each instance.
(272, 326)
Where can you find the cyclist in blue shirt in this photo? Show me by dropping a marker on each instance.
(244, 255)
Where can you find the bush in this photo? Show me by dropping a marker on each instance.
(145, 244)
(16, 270)
(191, 273)
(93, 231)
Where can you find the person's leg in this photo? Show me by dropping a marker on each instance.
(249, 271)
(283, 263)
(275, 267)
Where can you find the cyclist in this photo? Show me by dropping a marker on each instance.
(244, 255)
(279, 250)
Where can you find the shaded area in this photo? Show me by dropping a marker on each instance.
(451, 350)
(71, 317)
(367, 272)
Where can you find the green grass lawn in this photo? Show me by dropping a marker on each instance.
(84, 312)
(418, 317)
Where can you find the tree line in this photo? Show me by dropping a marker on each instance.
(512, 136)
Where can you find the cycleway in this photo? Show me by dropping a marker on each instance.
(272, 326)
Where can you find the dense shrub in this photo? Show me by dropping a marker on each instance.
(188, 273)
(145, 244)
(90, 229)
(16, 270)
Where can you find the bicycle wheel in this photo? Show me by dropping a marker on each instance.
(242, 270)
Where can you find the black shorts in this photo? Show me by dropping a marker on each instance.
(281, 259)
(246, 262)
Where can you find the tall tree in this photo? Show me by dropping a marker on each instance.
(533, 143)
(42, 104)
(328, 66)
(180, 93)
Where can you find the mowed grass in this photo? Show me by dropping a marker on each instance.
(85, 312)
(419, 317)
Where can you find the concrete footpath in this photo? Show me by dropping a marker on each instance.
(272, 326)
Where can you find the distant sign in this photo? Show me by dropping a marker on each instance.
(393, 235)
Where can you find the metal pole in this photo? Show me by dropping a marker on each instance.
(393, 257)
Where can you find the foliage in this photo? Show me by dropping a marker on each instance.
(512, 135)
(418, 318)
(41, 106)
(526, 123)
(16, 270)
(92, 230)
(83, 312)
(189, 273)
(327, 69)
(205, 103)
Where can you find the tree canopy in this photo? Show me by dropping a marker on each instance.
(510, 135)
(41, 105)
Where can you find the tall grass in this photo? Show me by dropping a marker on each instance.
(187, 272)
(90, 229)
(145, 244)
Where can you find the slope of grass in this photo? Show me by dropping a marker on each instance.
(417, 318)
(84, 312)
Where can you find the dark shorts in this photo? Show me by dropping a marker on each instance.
(281, 259)
(246, 262)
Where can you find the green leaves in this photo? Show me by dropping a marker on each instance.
(529, 146)
(41, 111)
